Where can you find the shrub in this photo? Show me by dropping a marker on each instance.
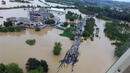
(12, 29)
(19, 28)
(37, 29)
(31, 42)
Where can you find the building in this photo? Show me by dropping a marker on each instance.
(122, 65)
(22, 21)
(39, 16)
(59, 11)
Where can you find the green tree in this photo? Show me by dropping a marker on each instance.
(8, 23)
(33, 64)
(71, 16)
(2, 68)
(44, 65)
(38, 70)
(65, 24)
(13, 68)
(57, 48)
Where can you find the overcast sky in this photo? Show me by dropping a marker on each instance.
(123, 0)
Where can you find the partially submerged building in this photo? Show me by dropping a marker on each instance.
(21, 21)
(39, 16)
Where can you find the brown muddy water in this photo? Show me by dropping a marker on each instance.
(95, 56)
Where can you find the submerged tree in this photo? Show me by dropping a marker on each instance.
(10, 68)
(33, 64)
(57, 48)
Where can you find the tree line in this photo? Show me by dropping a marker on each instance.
(100, 12)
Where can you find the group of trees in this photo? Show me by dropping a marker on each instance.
(10, 68)
(57, 48)
(104, 12)
(71, 16)
(69, 32)
(33, 66)
(89, 28)
(118, 32)
(12, 29)
(8, 27)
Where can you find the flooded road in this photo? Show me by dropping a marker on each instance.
(95, 56)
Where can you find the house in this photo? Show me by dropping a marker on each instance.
(22, 21)
(39, 16)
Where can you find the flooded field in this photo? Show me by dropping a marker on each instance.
(95, 56)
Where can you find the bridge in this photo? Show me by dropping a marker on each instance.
(122, 65)
(72, 54)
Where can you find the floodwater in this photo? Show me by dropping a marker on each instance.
(95, 56)
(14, 49)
